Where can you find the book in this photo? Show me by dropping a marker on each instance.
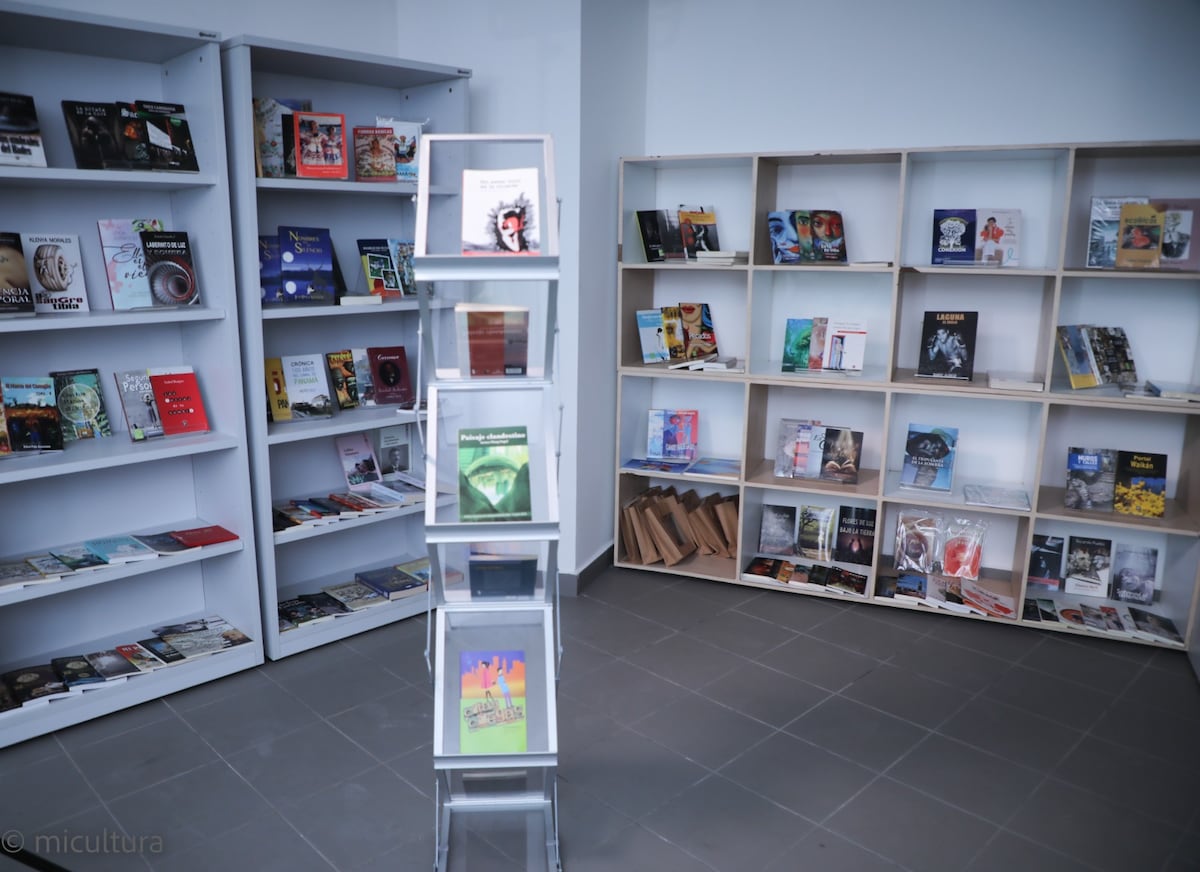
(355, 595)
(1156, 626)
(501, 212)
(493, 474)
(1088, 566)
(998, 237)
(383, 280)
(162, 543)
(374, 154)
(855, 542)
(125, 260)
(110, 664)
(841, 452)
(177, 395)
(306, 271)
(502, 576)
(120, 549)
(845, 581)
(80, 404)
(1011, 380)
(768, 569)
(16, 291)
(389, 375)
(492, 702)
(20, 133)
(140, 658)
(306, 386)
(95, 137)
(209, 534)
(201, 636)
(1076, 350)
(269, 272)
(817, 528)
(492, 340)
(168, 135)
(402, 259)
(916, 547)
(948, 345)
(1112, 356)
(911, 586)
(997, 496)
(672, 324)
(77, 557)
(828, 236)
(1104, 229)
(672, 434)
(929, 457)
(794, 443)
(392, 446)
(34, 684)
(390, 582)
(75, 671)
(790, 232)
(142, 419)
(987, 599)
(1179, 219)
(19, 573)
(169, 268)
(406, 137)
(320, 145)
(699, 335)
(797, 344)
(362, 377)
(55, 272)
(1140, 484)
(30, 415)
(651, 336)
(1139, 239)
(1091, 479)
(272, 117)
(277, 400)
(1134, 572)
(651, 224)
(698, 230)
(728, 467)
(1173, 390)
(777, 530)
(845, 346)
(341, 377)
(360, 467)
(953, 237)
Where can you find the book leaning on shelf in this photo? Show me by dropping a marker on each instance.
(1096, 356)
(20, 133)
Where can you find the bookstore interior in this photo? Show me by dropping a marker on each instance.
(909, 379)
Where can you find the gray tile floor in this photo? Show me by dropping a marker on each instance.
(702, 727)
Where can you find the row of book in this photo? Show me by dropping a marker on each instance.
(1140, 233)
(688, 233)
(1097, 356)
(147, 267)
(1094, 567)
(302, 386)
(680, 335)
(61, 561)
(70, 675)
(809, 449)
(368, 588)
(45, 413)
(817, 344)
(845, 534)
(817, 576)
(663, 525)
(299, 265)
(1117, 620)
(1108, 480)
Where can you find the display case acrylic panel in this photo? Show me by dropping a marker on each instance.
(498, 574)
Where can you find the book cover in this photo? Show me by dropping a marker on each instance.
(1104, 229)
(389, 375)
(305, 386)
(846, 581)
(383, 280)
(30, 415)
(341, 376)
(272, 118)
(269, 275)
(306, 265)
(791, 456)
(841, 451)
(651, 224)
(162, 543)
(768, 569)
(672, 434)
(777, 530)
(393, 451)
(828, 236)
(75, 671)
(201, 636)
(1076, 350)
(1045, 561)
(845, 346)
(1112, 356)
(362, 376)
(1091, 479)
(1089, 566)
(177, 395)
(698, 231)
(492, 701)
(495, 339)
(120, 549)
(790, 232)
(699, 334)
(948, 345)
(169, 135)
(374, 154)
(133, 137)
(855, 541)
(360, 466)
(390, 582)
(797, 344)
(650, 335)
(142, 419)
(502, 576)
(1179, 219)
(209, 534)
(493, 475)
(817, 345)
(817, 529)
(728, 467)
(402, 259)
(911, 586)
(95, 137)
(355, 595)
(406, 137)
(77, 557)
(169, 268)
(929, 457)
(140, 658)
(1139, 240)
(80, 404)
(277, 399)
(1140, 484)
(998, 237)
(953, 236)
(997, 496)
(125, 260)
(20, 134)
(32, 684)
(55, 272)
(672, 324)
(16, 292)
(501, 212)
(320, 145)
(1134, 572)
(1158, 626)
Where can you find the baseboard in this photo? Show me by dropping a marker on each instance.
(572, 584)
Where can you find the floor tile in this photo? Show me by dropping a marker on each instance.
(852, 629)
(389, 725)
(212, 691)
(819, 662)
(579, 659)
(701, 730)
(142, 757)
(1174, 689)
(93, 841)
(99, 729)
(1091, 665)
(867, 736)
(247, 717)
(296, 765)
(1012, 733)
(416, 767)
(584, 820)
(624, 691)
(266, 843)
(51, 789)
(921, 621)
(1153, 730)
(633, 849)
(30, 751)
(341, 684)
(905, 694)
(740, 633)
(624, 586)
(677, 608)
(1067, 702)
(987, 637)
(920, 832)
(1008, 852)
(825, 851)
(611, 629)
(792, 611)
(765, 694)
(968, 670)
(684, 660)
(798, 776)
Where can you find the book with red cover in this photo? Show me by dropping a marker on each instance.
(496, 339)
(320, 145)
(208, 535)
(177, 395)
(389, 375)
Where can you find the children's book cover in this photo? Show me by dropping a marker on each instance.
(306, 265)
(56, 272)
(929, 457)
(948, 345)
(492, 702)
(500, 212)
(953, 236)
(493, 474)
(828, 236)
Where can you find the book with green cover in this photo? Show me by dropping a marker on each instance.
(493, 474)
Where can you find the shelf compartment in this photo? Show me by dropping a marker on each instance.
(301, 532)
(343, 421)
(300, 310)
(721, 408)
(107, 320)
(88, 455)
(101, 180)
(498, 573)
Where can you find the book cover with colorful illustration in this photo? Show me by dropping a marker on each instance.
(493, 474)
(492, 702)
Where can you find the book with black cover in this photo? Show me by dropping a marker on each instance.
(855, 541)
(169, 268)
(20, 136)
(169, 136)
(1045, 562)
(948, 345)
(1140, 484)
(502, 576)
(95, 136)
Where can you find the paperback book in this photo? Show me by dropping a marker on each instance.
(177, 395)
(1076, 351)
(342, 378)
(305, 386)
(652, 224)
(269, 273)
(501, 212)
(20, 134)
(1134, 573)
(953, 237)
(277, 400)
(929, 453)
(672, 434)
(828, 236)
(998, 237)
(168, 135)
(1091, 479)
(855, 541)
(845, 346)
(795, 440)
(948, 345)
(320, 139)
(1089, 566)
(651, 336)
(502, 576)
(406, 135)
(360, 466)
(1140, 484)
(1104, 229)
(96, 139)
(790, 232)
(817, 532)
(1179, 219)
(80, 404)
(16, 292)
(492, 700)
(125, 260)
(493, 474)
(30, 414)
(698, 230)
(393, 444)
(55, 272)
(1139, 240)
(699, 334)
(492, 340)
(142, 419)
(840, 454)
(374, 154)
(777, 530)
(389, 376)
(272, 120)
(169, 268)
(306, 265)
(383, 280)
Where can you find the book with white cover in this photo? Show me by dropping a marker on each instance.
(501, 212)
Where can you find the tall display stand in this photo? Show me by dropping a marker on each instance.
(493, 554)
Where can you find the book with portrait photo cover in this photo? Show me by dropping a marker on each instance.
(929, 454)
(948, 345)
